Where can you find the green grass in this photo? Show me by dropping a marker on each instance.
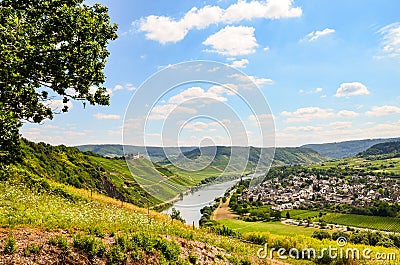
(275, 228)
(372, 222)
(391, 224)
(301, 214)
(22, 207)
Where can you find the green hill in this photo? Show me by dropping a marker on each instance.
(347, 148)
(70, 166)
(46, 219)
(383, 150)
(233, 161)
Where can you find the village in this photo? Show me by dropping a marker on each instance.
(308, 191)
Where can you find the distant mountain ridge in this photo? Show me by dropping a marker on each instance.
(283, 155)
(157, 153)
(347, 148)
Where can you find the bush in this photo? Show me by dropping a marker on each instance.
(90, 245)
(169, 249)
(97, 232)
(10, 246)
(257, 237)
(32, 249)
(321, 235)
(336, 235)
(59, 241)
(193, 258)
(116, 255)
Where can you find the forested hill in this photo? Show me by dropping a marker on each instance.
(390, 149)
(347, 148)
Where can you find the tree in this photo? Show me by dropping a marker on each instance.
(176, 215)
(49, 48)
(287, 215)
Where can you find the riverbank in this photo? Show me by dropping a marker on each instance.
(223, 211)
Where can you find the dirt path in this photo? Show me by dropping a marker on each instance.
(223, 212)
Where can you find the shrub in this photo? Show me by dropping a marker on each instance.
(10, 246)
(97, 232)
(90, 245)
(116, 255)
(32, 249)
(337, 234)
(144, 240)
(257, 237)
(321, 235)
(169, 249)
(193, 258)
(59, 241)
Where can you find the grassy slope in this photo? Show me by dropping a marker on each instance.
(70, 166)
(275, 228)
(77, 212)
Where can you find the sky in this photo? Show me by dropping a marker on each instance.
(329, 71)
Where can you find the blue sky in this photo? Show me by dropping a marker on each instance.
(330, 70)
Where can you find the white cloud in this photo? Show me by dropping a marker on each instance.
(118, 87)
(262, 119)
(307, 114)
(103, 116)
(351, 89)
(266, 49)
(199, 94)
(250, 80)
(233, 41)
(315, 35)
(58, 104)
(228, 89)
(315, 91)
(130, 87)
(378, 111)
(391, 40)
(71, 92)
(302, 129)
(92, 90)
(340, 125)
(166, 29)
(127, 86)
(347, 114)
(161, 112)
(240, 63)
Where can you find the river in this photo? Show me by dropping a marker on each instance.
(192, 203)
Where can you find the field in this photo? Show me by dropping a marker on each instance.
(302, 214)
(373, 222)
(275, 228)
(391, 165)
(391, 224)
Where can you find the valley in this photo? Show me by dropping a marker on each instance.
(99, 203)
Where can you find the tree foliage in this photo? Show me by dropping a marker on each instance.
(45, 46)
